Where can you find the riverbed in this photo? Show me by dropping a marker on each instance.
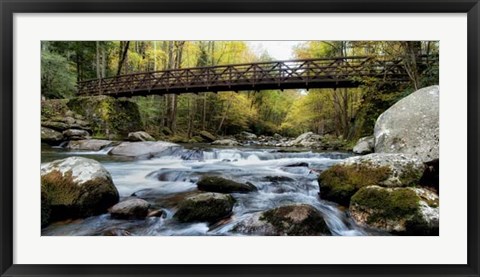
(282, 176)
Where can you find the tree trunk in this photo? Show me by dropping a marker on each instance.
(104, 62)
(97, 58)
(224, 116)
(123, 55)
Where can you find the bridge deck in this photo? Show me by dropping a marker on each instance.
(294, 74)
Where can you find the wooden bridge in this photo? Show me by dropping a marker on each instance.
(294, 74)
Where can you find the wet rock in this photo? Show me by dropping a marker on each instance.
(140, 136)
(76, 187)
(411, 211)
(277, 136)
(116, 232)
(364, 145)
(142, 149)
(290, 220)
(51, 136)
(172, 175)
(192, 154)
(278, 179)
(299, 164)
(411, 126)
(222, 185)
(226, 142)
(246, 136)
(205, 207)
(88, 144)
(341, 181)
(207, 136)
(156, 213)
(133, 208)
(75, 134)
(308, 139)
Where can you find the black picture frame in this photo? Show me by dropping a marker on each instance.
(9, 7)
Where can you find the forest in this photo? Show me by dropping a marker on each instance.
(123, 157)
(342, 113)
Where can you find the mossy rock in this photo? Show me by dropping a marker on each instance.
(222, 185)
(396, 210)
(289, 220)
(110, 118)
(205, 207)
(296, 220)
(207, 136)
(75, 188)
(341, 181)
(54, 108)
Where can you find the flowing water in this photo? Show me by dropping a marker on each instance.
(281, 176)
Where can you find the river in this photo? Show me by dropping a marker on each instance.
(282, 176)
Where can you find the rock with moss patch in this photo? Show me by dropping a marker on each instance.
(205, 207)
(410, 211)
(89, 144)
(290, 220)
(109, 117)
(140, 136)
(341, 181)
(76, 187)
(246, 136)
(56, 115)
(143, 149)
(364, 145)
(133, 208)
(205, 135)
(411, 126)
(51, 136)
(75, 134)
(222, 185)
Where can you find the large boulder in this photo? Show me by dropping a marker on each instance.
(76, 187)
(365, 145)
(88, 144)
(222, 185)
(411, 211)
(308, 139)
(207, 136)
(290, 220)
(206, 207)
(411, 126)
(51, 136)
(246, 136)
(142, 149)
(140, 136)
(75, 134)
(56, 115)
(341, 181)
(226, 142)
(133, 208)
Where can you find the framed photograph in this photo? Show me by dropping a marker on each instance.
(239, 138)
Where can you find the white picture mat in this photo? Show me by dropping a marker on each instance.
(448, 248)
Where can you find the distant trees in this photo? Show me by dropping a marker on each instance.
(325, 111)
(352, 112)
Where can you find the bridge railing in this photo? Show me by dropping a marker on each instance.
(245, 75)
